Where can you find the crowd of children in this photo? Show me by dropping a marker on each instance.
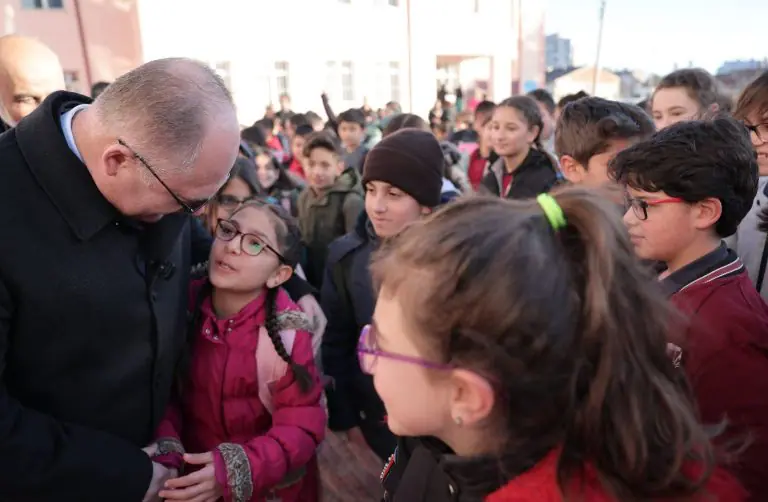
(571, 311)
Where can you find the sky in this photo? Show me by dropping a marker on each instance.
(654, 35)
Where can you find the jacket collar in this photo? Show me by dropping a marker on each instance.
(63, 177)
(722, 262)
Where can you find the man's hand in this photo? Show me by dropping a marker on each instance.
(200, 486)
(160, 474)
(315, 313)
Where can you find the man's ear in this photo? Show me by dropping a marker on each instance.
(115, 157)
(340, 167)
(572, 170)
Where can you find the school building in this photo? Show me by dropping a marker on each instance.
(378, 50)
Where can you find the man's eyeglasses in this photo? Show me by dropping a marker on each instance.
(640, 206)
(759, 130)
(368, 353)
(250, 244)
(191, 206)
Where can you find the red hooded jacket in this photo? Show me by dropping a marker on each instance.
(540, 485)
(256, 454)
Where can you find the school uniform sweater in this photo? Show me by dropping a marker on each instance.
(725, 355)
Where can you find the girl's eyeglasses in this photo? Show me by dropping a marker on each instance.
(640, 206)
(250, 244)
(231, 202)
(368, 353)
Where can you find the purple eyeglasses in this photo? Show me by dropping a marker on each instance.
(369, 354)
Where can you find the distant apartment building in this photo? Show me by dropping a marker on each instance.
(558, 52)
(354, 50)
(561, 83)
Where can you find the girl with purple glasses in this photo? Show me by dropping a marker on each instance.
(519, 350)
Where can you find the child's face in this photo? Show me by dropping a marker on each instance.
(297, 148)
(422, 410)
(673, 105)
(322, 168)
(668, 231)
(596, 172)
(228, 200)
(351, 134)
(509, 132)
(265, 170)
(232, 264)
(390, 209)
(760, 143)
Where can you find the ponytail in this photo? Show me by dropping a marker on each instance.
(626, 372)
(301, 373)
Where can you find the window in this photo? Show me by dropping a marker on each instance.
(394, 81)
(282, 81)
(477, 6)
(393, 3)
(347, 81)
(42, 4)
(223, 70)
(72, 81)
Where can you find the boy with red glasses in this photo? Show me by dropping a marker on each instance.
(688, 187)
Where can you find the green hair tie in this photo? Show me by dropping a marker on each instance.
(552, 211)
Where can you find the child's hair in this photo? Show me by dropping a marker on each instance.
(545, 98)
(485, 107)
(322, 140)
(244, 169)
(753, 99)
(403, 121)
(353, 115)
(570, 98)
(297, 120)
(303, 131)
(267, 126)
(531, 114)
(693, 161)
(254, 136)
(313, 117)
(569, 329)
(289, 246)
(700, 85)
(587, 126)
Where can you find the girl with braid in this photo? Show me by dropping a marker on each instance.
(248, 417)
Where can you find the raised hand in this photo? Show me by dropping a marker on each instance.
(200, 486)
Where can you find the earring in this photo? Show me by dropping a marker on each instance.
(458, 421)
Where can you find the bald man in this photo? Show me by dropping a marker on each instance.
(93, 292)
(29, 72)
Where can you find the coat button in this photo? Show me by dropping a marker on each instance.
(451, 489)
(207, 331)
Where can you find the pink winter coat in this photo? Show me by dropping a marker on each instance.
(257, 454)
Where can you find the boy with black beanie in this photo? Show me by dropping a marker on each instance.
(402, 177)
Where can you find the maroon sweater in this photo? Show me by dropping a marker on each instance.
(726, 356)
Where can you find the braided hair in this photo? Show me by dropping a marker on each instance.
(300, 372)
(289, 245)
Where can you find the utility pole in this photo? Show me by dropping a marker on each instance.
(599, 46)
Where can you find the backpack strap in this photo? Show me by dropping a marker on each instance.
(269, 365)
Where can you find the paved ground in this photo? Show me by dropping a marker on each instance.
(348, 473)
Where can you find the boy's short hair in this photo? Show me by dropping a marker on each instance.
(303, 131)
(321, 140)
(485, 107)
(313, 117)
(570, 98)
(693, 161)
(298, 119)
(353, 115)
(587, 126)
(545, 98)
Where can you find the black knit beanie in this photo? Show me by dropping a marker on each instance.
(411, 160)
